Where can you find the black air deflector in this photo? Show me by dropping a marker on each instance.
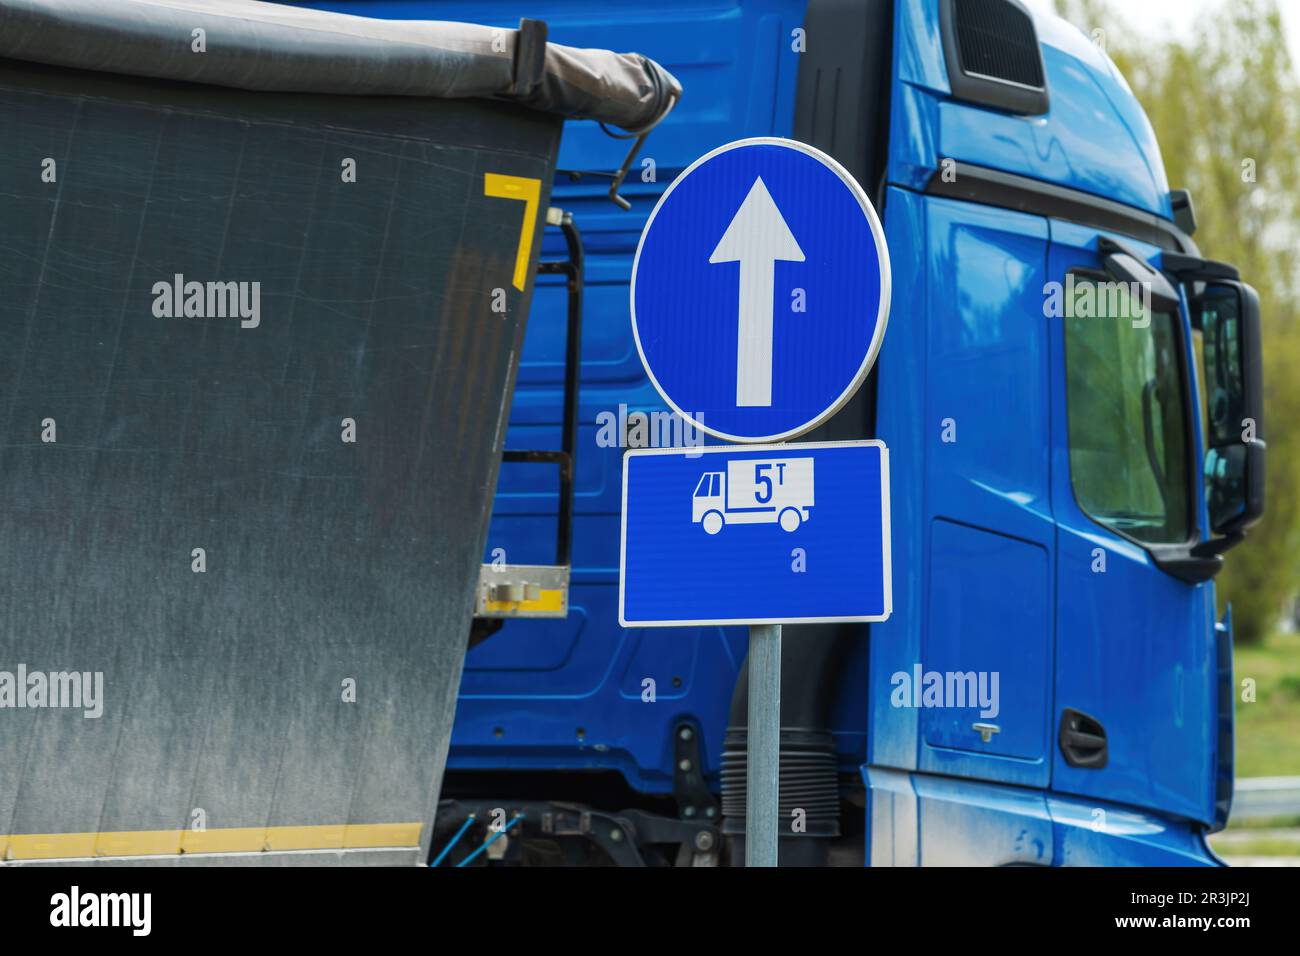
(993, 56)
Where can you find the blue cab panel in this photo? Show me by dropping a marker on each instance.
(998, 514)
(1094, 137)
(920, 820)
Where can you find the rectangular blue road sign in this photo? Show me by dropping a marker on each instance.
(755, 534)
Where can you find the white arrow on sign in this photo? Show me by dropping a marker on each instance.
(756, 238)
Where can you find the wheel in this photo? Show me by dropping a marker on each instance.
(790, 519)
(712, 522)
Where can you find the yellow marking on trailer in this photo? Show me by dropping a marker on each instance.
(529, 191)
(372, 835)
(224, 840)
(123, 843)
(138, 843)
(549, 600)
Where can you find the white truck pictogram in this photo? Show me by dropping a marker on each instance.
(754, 491)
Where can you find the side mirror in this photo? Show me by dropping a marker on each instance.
(1227, 313)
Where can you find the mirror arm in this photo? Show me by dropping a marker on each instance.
(1183, 562)
(1195, 269)
(1212, 546)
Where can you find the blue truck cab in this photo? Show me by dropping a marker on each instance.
(1070, 394)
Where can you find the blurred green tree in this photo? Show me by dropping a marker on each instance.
(1225, 105)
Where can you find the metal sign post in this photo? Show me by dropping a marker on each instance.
(759, 298)
(763, 774)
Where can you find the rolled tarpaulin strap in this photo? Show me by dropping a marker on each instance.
(248, 44)
(530, 57)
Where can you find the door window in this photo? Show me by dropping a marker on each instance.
(1127, 417)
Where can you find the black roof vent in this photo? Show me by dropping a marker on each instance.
(993, 56)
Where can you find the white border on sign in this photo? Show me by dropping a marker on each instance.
(882, 314)
(886, 555)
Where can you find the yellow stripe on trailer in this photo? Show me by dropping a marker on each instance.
(126, 843)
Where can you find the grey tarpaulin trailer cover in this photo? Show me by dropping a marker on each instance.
(264, 274)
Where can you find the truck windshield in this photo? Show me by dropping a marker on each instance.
(1127, 419)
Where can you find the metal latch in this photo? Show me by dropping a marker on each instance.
(522, 590)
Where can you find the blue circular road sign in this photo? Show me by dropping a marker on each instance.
(760, 290)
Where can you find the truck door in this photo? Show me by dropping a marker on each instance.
(1135, 654)
(988, 530)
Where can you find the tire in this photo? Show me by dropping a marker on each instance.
(712, 522)
(790, 519)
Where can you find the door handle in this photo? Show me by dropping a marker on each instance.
(1082, 740)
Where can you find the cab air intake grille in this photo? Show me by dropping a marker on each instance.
(993, 57)
(997, 40)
